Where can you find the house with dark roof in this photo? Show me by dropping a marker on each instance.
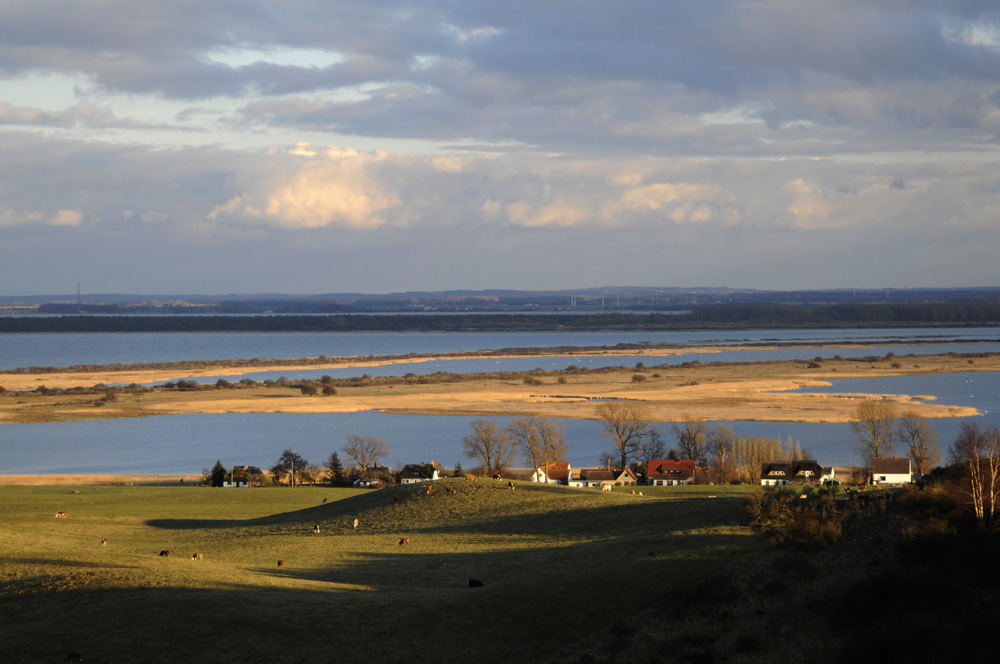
(666, 472)
(780, 473)
(420, 472)
(896, 470)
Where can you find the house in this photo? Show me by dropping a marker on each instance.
(891, 471)
(591, 477)
(666, 472)
(244, 476)
(555, 472)
(780, 473)
(372, 478)
(625, 478)
(420, 472)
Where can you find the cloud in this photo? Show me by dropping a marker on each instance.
(66, 218)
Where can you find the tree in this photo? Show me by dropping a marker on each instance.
(366, 451)
(978, 452)
(691, 436)
(720, 443)
(874, 432)
(218, 476)
(489, 444)
(335, 469)
(540, 439)
(288, 464)
(919, 436)
(459, 471)
(627, 425)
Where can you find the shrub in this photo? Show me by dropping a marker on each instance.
(638, 378)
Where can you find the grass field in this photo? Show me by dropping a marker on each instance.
(557, 565)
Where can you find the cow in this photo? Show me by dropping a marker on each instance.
(429, 489)
(443, 564)
(470, 478)
(74, 657)
(355, 524)
(475, 583)
(165, 553)
(398, 499)
(405, 540)
(104, 542)
(606, 487)
(324, 501)
(640, 493)
(60, 513)
(497, 476)
(450, 489)
(196, 556)
(316, 529)
(510, 485)
(281, 563)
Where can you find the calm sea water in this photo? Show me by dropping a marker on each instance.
(182, 444)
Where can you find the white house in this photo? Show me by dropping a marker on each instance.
(891, 471)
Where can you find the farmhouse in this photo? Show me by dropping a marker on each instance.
(244, 476)
(891, 471)
(666, 472)
(780, 473)
(420, 472)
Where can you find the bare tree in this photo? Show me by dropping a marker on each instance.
(721, 452)
(627, 425)
(978, 451)
(874, 432)
(691, 436)
(540, 439)
(366, 451)
(920, 437)
(490, 445)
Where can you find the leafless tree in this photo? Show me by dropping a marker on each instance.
(627, 425)
(540, 439)
(366, 451)
(721, 452)
(978, 451)
(490, 445)
(691, 435)
(874, 430)
(919, 436)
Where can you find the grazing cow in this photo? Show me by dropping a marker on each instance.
(74, 657)
(324, 501)
(196, 556)
(497, 477)
(450, 489)
(640, 493)
(429, 489)
(104, 542)
(443, 564)
(398, 499)
(281, 563)
(470, 478)
(633, 493)
(606, 487)
(165, 553)
(475, 583)
(316, 529)
(405, 540)
(60, 513)
(510, 485)
(355, 524)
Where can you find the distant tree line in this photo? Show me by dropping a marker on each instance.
(709, 316)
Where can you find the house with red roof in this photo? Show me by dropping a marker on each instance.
(666, 472)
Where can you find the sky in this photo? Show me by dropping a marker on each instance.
(379, 146)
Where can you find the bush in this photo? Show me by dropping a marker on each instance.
(638, 378)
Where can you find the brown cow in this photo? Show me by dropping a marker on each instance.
(405, 540)
(429, 489)
(281, 563)
(60, 513)
(450, 489)
(470, 478)
(165, 553)
(104, 542)
(196, 556)
(398, 499)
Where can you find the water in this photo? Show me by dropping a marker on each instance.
(67, 349)
(182, 444)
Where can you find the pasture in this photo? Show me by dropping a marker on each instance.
(557, 566)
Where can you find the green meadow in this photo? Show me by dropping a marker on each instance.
(560, 568)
